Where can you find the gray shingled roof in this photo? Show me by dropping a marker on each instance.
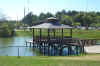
(51, 18)
(50, 26)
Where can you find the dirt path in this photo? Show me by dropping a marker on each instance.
(92, 49)
(87, 57)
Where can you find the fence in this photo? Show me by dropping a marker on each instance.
(17, 51)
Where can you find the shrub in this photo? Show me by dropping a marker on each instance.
(6, 30)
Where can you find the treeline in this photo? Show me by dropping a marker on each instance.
(74, 18)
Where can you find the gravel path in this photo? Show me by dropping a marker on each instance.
(93, 49)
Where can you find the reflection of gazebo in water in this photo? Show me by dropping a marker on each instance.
(52, 34)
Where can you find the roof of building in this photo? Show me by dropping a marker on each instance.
(52, 18)
(50, 26)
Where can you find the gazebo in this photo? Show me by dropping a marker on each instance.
(51, 34)
(51, 29)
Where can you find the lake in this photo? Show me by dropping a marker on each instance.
(10, 46)
(16, 45)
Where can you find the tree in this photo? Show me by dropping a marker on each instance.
(72, 13)
(29, 19)
(34, 19)
(65, 17)
(42, 16)
(49, 15)
(58, 15)
(6, 30)
(80, 18)
(67, 20)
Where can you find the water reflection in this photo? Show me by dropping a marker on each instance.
(6, 41)
(10, 46)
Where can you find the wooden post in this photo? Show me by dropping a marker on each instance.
(33, 35)
(92, 42)
(26, 43)
(18, 53)
(40, 47)
(37, 45)
(48, 42)
(60, 51)
(44, 49)
(54, 49)
(48, 34)
(40, 34)
(71, 32)
(83, 49)
(95, 42)
(77, 50)
(69, 50)
(33, 44)
(48, 50)
(30, 44)
(62, 33)
(54, 33)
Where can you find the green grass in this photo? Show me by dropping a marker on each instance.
(85, 34)
(23, 33)
(58, 32)
(85, 60)
(49, 61)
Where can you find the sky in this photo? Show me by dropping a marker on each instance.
(14, 9)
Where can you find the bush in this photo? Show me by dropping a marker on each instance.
(6, 30)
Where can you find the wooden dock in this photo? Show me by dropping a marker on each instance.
(58, 44)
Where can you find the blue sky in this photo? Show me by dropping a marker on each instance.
(15, 8)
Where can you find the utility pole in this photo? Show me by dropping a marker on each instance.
(24, 18)
(28, 2)
(85, 15)
(17, 23)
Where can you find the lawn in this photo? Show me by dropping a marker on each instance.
(85, 34)
(88, 60)
(23, 33)
(85, 60)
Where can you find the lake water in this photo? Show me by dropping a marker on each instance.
(15, 46)
(10, 47)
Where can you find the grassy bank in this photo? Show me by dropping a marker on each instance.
(23, 33)
(88, 60)
(86, 34)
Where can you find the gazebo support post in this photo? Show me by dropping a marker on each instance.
(76, 50)
(33, 37)
(71, 33)
(54, 33)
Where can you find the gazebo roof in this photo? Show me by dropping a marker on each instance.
(50, 26)
(51, 18)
